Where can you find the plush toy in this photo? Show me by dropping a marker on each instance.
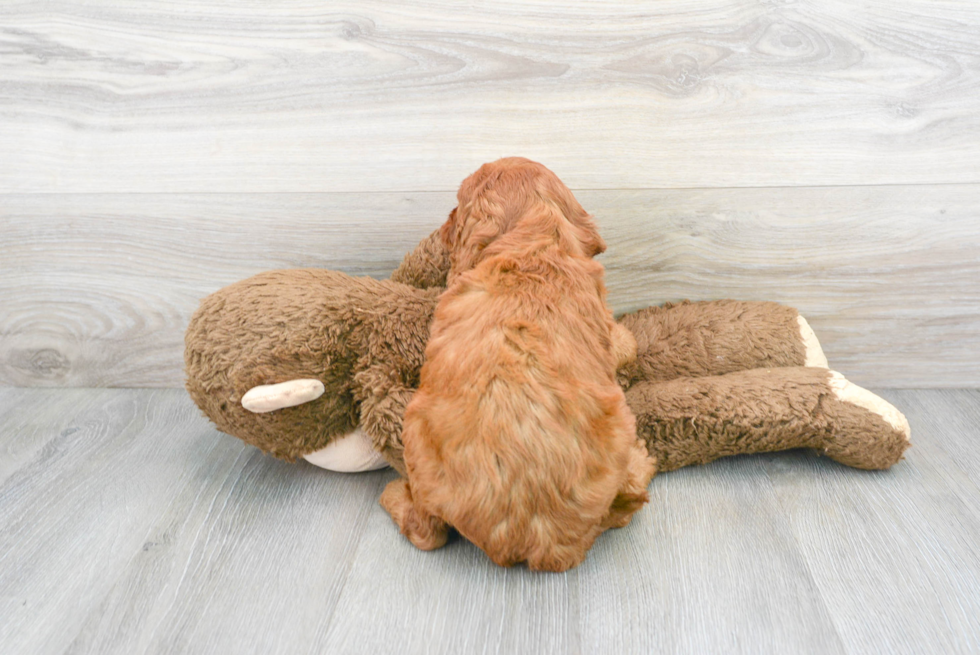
(317, 364)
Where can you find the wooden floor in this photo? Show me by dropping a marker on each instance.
(129, 525)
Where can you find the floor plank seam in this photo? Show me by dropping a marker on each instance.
(197, 538)
(791, 532)
(356, 548)
(453, 190)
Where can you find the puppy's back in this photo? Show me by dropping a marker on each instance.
(519, 435)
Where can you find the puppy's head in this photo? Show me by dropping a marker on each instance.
(515, 193)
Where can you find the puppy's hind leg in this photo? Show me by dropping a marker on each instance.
(426, 531)
(633, 494)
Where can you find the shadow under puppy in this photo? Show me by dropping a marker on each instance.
(519, 436)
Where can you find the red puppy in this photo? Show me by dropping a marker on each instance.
(519, 436)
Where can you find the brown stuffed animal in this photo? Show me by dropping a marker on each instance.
(326, 363)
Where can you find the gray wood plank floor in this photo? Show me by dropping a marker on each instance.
(129, 525)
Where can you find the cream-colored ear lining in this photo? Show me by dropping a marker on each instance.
(270, 397)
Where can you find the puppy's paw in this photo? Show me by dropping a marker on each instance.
(425, 531)
(633, 494)
(558, 558)
(623, 345)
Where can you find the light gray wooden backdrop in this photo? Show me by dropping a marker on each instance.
(821, 154)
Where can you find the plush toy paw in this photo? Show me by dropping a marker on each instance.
(852, 393)
(352, 453)
(869, 432)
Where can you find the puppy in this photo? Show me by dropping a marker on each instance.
(519, 436)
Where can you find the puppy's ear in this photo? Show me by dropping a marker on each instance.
(587, 233)
(584, 229)
(449, 232)
(472, 235)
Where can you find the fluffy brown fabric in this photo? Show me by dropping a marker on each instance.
(519, 436)
(691, 339)
(363, 338)
(425, 267)
(293, 324)
(697, 420)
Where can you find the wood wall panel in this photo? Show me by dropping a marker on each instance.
(136, 96)
(98, 289)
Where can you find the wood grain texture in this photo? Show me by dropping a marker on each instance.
(26, 417)
(709, 566)
(913, 522)
(134, 95)
(72, 514)
(98, 289)
(889, 277)
(135, 527)
(139, 528)
(453, 600)
(229, 561)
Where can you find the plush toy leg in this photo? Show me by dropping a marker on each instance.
(423, 529)
(425, 267)
(381, 419)
(697, 420)
(692, 339)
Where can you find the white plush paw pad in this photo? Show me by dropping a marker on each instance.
(351, 453)
(852, 393)
(814, 353)
(270, 397)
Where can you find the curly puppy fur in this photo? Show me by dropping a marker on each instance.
(519, 436)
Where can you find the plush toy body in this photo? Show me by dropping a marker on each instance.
(710, 379)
